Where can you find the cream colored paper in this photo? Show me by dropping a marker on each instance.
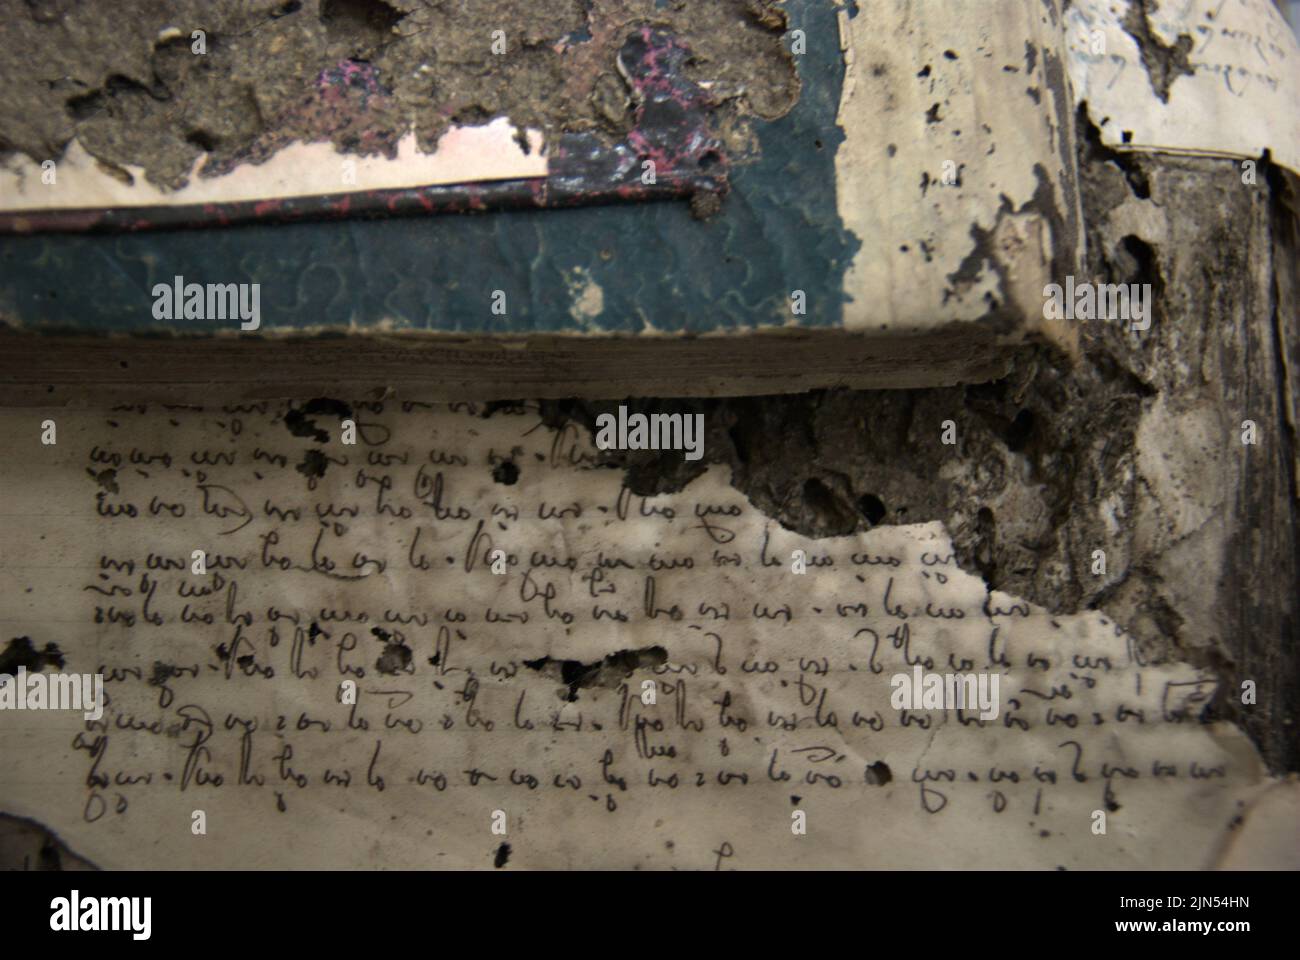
(772, 687)
(957, 168)
(1242, 98)
(464, 155)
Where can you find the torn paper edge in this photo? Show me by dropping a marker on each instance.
(465, 155)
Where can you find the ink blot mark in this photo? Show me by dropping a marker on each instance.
(162, 672)
(300, 426)
(502, 856)
(21, 653)
(397, 656)
(575, 674)
(313, 465)
(106, 478)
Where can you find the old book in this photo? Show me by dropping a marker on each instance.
(464, 666)
(248, 633)
(901, 211)
(892, 225)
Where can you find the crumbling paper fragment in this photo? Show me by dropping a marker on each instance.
(464, 155)
(957, 170)
(1188, 76)
(460, 643)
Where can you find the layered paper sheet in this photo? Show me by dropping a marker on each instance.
(957, 170)
(629, 682)
(464, 155)
(1235, 95)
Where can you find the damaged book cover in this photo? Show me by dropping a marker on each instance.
(645, 436)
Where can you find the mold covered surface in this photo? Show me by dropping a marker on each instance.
(956, 169)
(1130, 451)
(658, 268)
(1133, 451)
(127, 80)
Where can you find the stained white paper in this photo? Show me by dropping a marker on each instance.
(771, 688)
(1240, 100)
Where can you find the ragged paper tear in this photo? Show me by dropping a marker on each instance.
(1188, 76)
(464, 155)
(461, 642)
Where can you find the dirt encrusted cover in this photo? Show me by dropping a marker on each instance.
(158, 86)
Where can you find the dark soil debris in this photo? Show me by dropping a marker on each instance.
(128, 81)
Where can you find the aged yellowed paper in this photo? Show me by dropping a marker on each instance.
(1212, 77)
(461, 642)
